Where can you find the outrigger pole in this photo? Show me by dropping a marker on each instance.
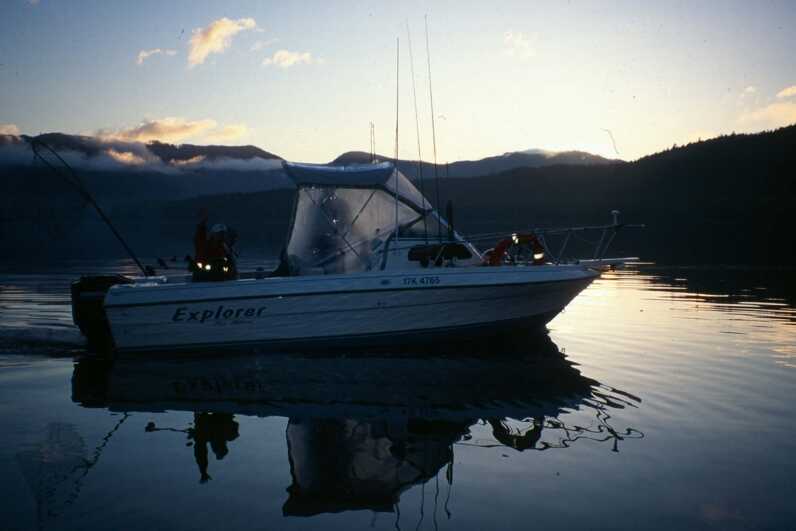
(75, 181)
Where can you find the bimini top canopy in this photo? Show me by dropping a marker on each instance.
(383, 175)
(345, 216)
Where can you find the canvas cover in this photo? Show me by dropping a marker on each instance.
(345, 215)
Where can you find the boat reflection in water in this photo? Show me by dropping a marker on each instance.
(362, 429)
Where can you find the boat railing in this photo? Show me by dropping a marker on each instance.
(557, 254)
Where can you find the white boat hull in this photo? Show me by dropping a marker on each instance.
(330, 311)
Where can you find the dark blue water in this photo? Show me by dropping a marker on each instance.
(661, 399)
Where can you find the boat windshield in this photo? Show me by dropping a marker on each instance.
(344, 217)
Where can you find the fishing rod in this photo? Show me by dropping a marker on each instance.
(72, 178)
(417, 129)
(397, 101)
(433, 129)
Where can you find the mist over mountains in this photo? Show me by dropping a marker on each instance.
(119, 172)
(727, 200)
(531, 158)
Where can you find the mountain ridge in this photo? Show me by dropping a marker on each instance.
(183, 155)
(531, 158)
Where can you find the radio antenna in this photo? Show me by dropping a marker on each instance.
(372, 143)
(417, 128)
(433, 130)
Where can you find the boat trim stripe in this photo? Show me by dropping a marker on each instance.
(343, 292)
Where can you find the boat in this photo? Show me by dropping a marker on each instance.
(368, 262)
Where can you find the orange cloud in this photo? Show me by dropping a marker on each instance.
(773, 115)
(164, 129)
(9, 129)
(286, 59)
(143, 55)
(173, 130)
(215, 38)
(787, 92)
(126, 157)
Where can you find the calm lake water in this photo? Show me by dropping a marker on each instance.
(661, 399)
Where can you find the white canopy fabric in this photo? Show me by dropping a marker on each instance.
(345, 215)
(383, 175)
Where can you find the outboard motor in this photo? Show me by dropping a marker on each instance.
(88, 311)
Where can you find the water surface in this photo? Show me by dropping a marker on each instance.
(660, 399)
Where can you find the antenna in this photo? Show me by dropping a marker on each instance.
(433, 129)
(372, 142)
(417, 129)
(397, 99)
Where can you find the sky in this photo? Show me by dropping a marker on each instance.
(305, 79)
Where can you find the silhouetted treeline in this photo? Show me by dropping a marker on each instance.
(727, 200)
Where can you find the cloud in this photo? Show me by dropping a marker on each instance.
(751, 89)
(259, 45)
(9, 129)
(165, 129)
(198, 159)
(175, 130)
(200, 162)
(773, 115)
(787, 92)
(215, 38)
(227, 133)
(253, 164)
(286, 59)
(517, 44)
(117, 155)
(126, 157)
(143, 55)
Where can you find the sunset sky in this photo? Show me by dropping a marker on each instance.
(305, 79)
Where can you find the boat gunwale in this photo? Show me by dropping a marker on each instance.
(588, 276)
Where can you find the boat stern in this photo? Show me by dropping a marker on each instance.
(88, 309)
